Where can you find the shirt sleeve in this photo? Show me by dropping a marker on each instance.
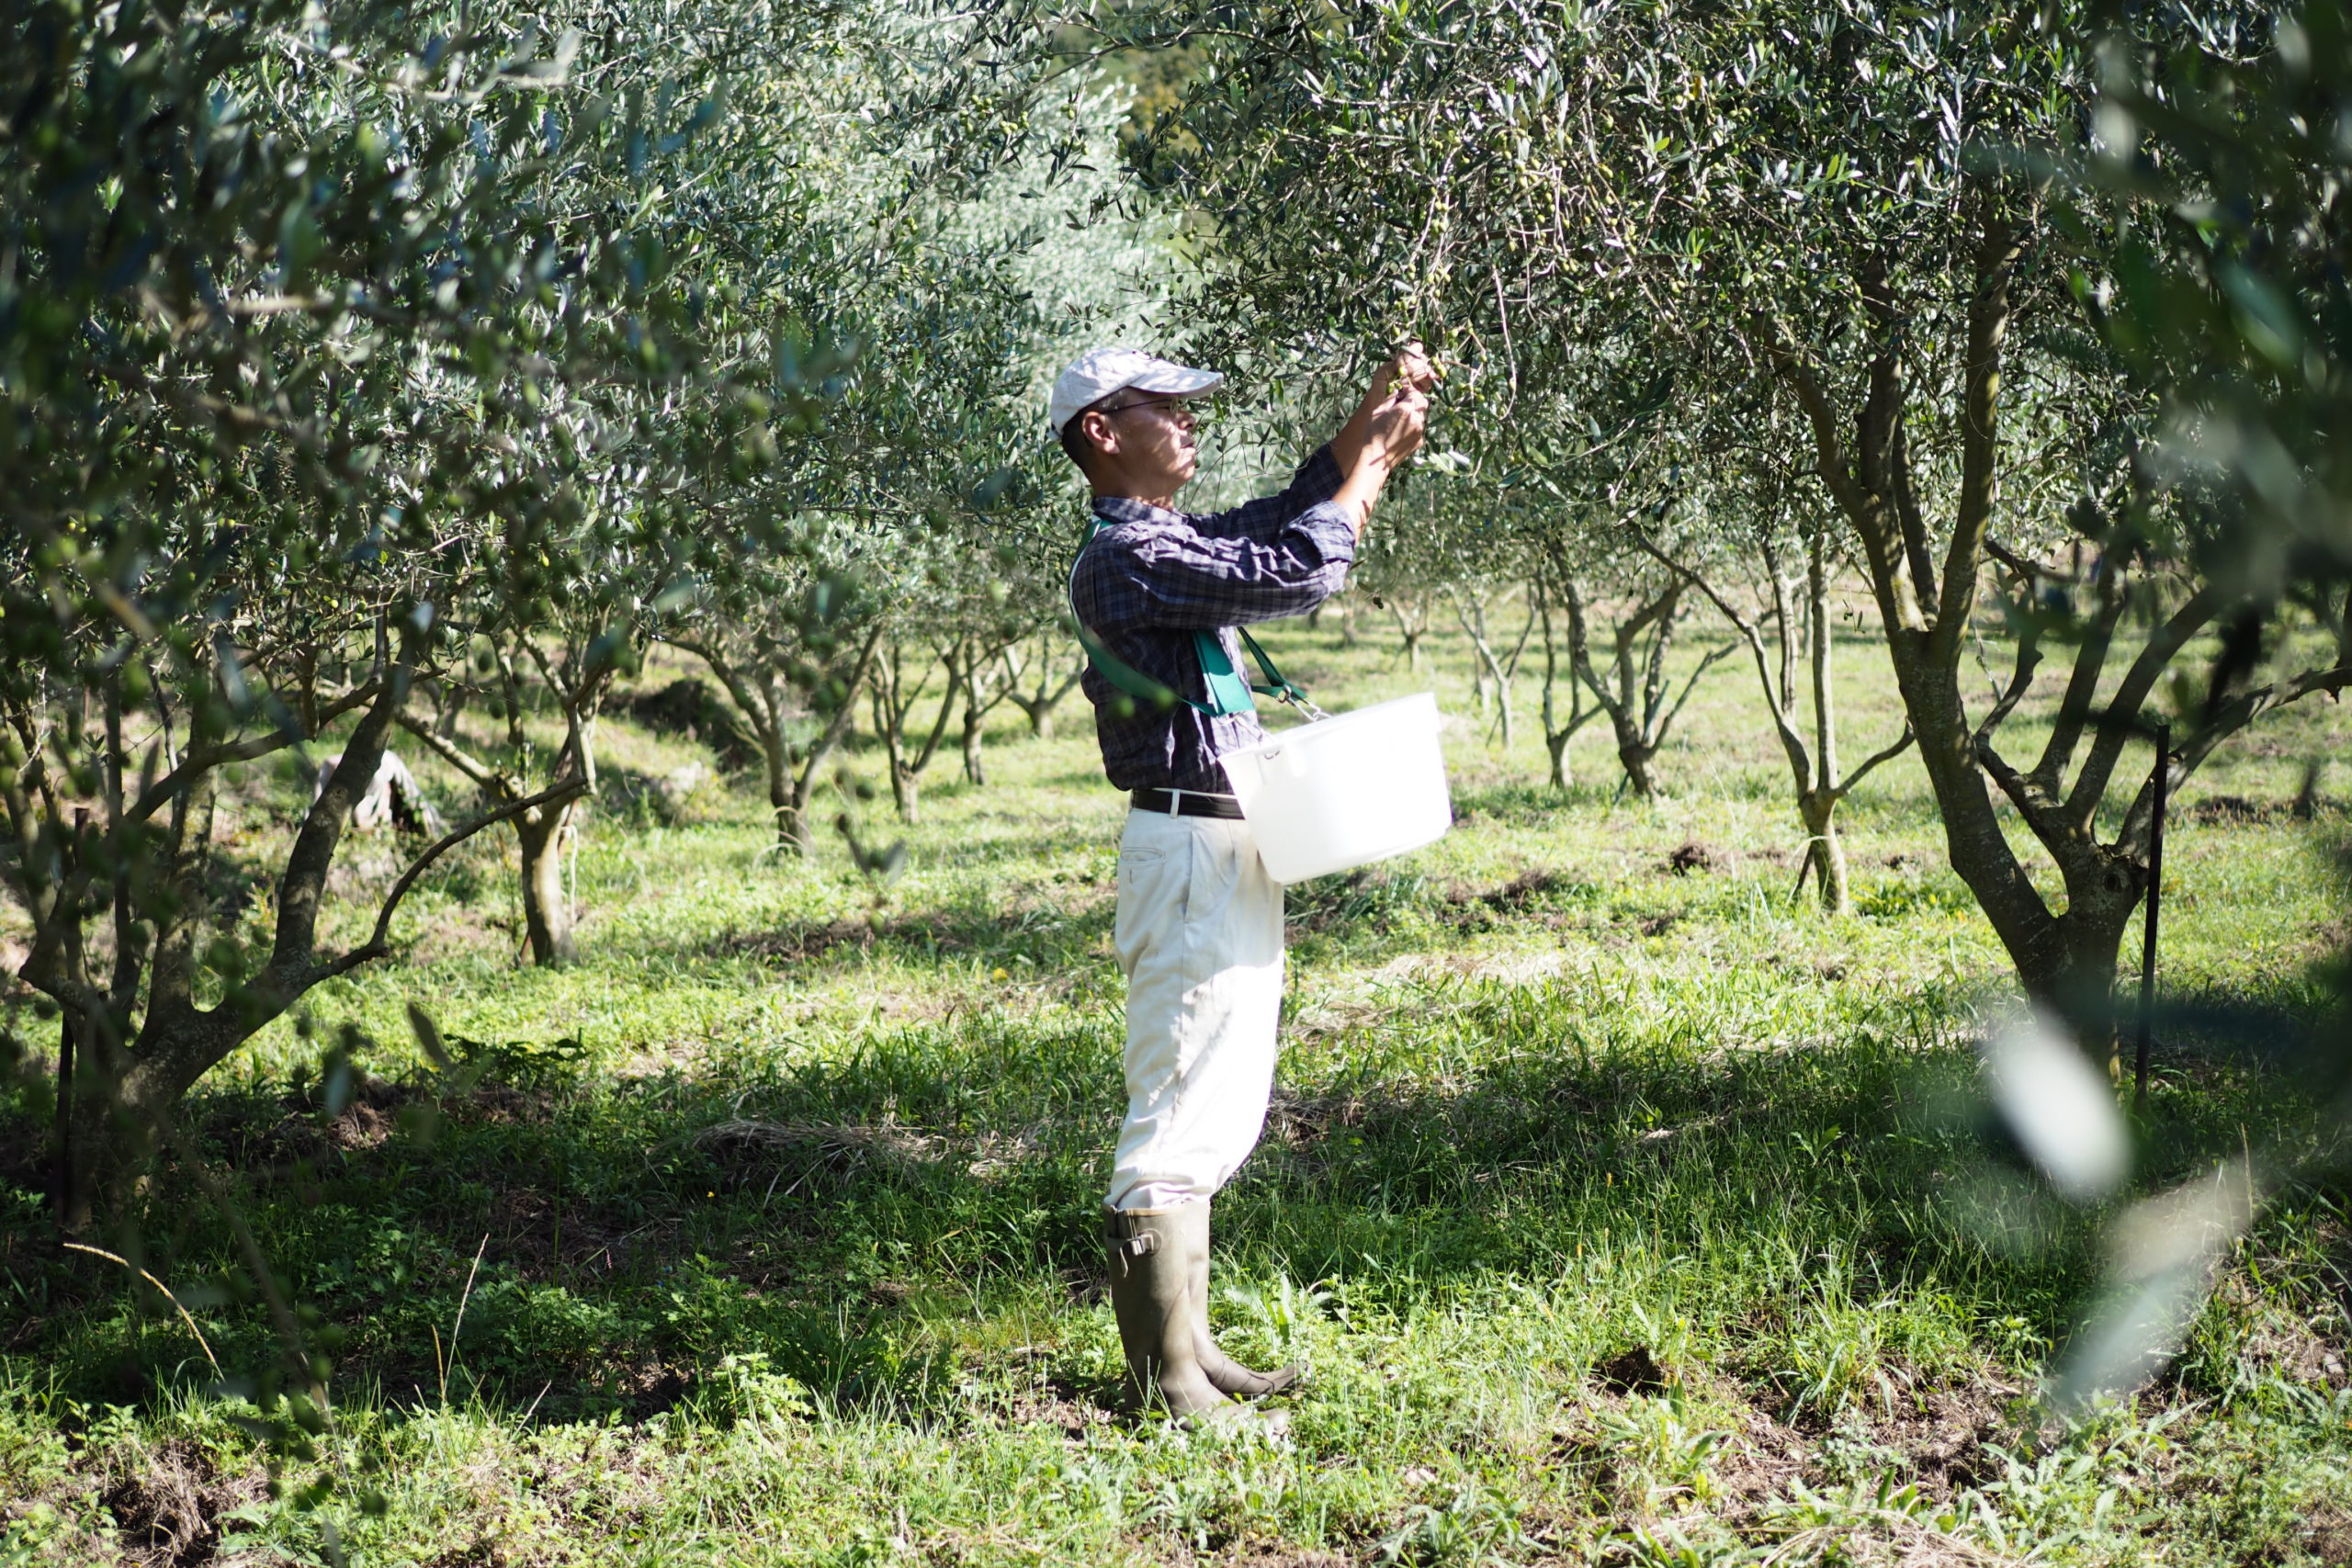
(1315, 481)
(1179, 579)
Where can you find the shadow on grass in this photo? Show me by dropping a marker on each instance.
(859, 1223)
(1034, 933)
(1369, 913)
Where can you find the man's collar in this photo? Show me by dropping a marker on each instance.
(1126, 508)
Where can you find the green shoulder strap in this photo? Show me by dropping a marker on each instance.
(1277, 685)
(1227, 691)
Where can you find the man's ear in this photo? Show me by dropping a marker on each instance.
(1099, 433)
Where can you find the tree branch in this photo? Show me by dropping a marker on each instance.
(2117, 724)
(1902, 744)
(2082, 685)
(1830, 458)
(1580, 652)
(1881, 459)
(298, 888)
(1654, 677)
(2040, 810)
(724, 668)
(1906, 496)
(842, 718)
(1791, 740)
(946, 710)
(2020, 681)
(1835, 465)
(378, 943)
(1988, 324)
(1705, 664)
(2223, 722)
(195, 764)
(495, 780)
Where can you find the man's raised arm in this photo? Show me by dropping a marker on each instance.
(1410, 366)
(1352, 470)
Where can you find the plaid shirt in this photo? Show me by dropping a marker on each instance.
(1146, 583)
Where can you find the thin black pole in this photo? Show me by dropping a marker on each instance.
(2156, 909)
(62, 1188)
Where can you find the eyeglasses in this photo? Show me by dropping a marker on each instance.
(1176, 403)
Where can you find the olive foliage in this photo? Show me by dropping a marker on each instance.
(1840, 202)
(342, 357)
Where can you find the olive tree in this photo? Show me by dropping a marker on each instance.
(1814, 190)
(1040, 672)
(1744, 529)
(573, 667)
(323, 348)
(1400, 568)
(930, 486)
(1895, 280)
(792, 652)
(1640, 607)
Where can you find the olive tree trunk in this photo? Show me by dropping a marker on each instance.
(542, 836)
(2065, 960)
(1800, 616)
(1557, 734)
(896, 690)
(1412, 613)
(1638, 697)
(793, 769)
(1037, 703)
(975, 669)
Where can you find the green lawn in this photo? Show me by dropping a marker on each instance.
(1621, 1213)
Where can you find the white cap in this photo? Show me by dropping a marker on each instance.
(1098, 372)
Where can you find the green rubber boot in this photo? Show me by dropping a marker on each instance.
(1152, 1293)
(1227, 1374)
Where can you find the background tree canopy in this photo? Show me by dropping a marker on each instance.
(344, 362)
(1617, 220)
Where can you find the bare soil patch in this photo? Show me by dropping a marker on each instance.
(799, 944)
(1516, 895)
(1633, 1370)
(169, 1509)
(2235, 809)
(1694, 856)
(2327, 1534)
(1075, 1408)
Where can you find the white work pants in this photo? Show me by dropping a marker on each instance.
(1200, 936)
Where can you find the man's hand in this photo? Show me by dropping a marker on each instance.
(1385, 429)
(1398, 423)
(1410, 364)
(1387, 425)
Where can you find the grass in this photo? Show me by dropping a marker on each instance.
(1622, 1215)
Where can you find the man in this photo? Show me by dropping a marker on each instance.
(1199, 931)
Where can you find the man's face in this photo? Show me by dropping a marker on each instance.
(1145, 440)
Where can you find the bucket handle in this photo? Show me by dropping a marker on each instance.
(1293, 697)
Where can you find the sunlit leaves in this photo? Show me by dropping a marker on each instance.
(2226, 144)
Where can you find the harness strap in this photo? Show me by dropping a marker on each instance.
(1277, 685)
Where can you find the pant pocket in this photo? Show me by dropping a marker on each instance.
(1154, 888)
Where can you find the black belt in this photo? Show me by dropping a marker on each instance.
(1187, 803)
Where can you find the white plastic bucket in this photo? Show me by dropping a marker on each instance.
(1345, 791)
